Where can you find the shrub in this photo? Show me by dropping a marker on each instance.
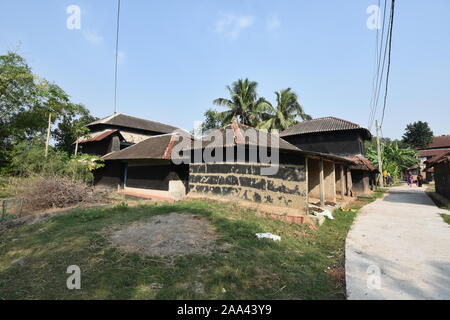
(28, 159)
(54, 192)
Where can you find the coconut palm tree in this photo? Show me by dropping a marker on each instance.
(286, 113)
(244, 105)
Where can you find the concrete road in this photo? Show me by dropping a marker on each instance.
(399, 248)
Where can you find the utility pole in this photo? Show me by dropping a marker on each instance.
(380, 164)
(48, 133)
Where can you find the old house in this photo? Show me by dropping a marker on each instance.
(119, 131)
(113, 135)
(146, 168)
(237, 163)
(338, 137)
(239, 174)
(438, 146)
(441, 165)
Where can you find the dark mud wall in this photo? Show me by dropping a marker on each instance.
(244, 181)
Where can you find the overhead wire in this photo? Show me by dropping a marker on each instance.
(391, 26)
(380, 72)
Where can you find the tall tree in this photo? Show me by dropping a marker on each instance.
(72, 126)
(26, 101)
(212, 120)
(244, 104)
(418, 135)
(286, 112)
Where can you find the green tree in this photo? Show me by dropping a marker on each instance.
(395, 159)
(72, 126)
(418, 135)
(244, 105)
(286, 113)
(27, 160)
(17, 95)
(26, 103)
(212, 120)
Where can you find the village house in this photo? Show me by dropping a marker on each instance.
(338, 137)
(148, 168)
(301, 178)
(119, 131)
(441, 165)
(437, 147)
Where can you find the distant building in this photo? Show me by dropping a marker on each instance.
(339, 137)
(438, 146)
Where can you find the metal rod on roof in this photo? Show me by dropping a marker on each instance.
(117, 55)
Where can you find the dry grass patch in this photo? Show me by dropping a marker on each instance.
(167, 235)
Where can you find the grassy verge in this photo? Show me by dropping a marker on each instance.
(305, 264)
(446, 218)
(438, 200)
(431, 192)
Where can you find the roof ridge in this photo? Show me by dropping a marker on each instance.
(136, 144)
(127, 115)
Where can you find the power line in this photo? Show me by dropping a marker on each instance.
(378, 79)
(117, 55)
(375, 64)
(389, 59)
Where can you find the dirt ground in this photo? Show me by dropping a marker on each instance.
(166, 235)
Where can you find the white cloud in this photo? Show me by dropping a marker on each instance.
(92, 37)
(273, 23)
(231, 25)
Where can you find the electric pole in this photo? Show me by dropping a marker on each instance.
(380, 164)
(48, 133)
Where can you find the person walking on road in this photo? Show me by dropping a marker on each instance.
(410, 180)
(389, 179)
(419, 180)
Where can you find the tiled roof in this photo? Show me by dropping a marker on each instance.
(362, 163)
(443, 156)
(440, 142)
(96, 136)
(155, 147)
(242, 134)
(325, 124)
(431, 152)
(160, 147)
(123, 120)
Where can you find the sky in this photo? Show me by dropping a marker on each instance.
(176, 57)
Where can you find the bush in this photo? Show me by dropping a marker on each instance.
(28, 159)
(54, 192)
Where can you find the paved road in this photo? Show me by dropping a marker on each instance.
(399, 248)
